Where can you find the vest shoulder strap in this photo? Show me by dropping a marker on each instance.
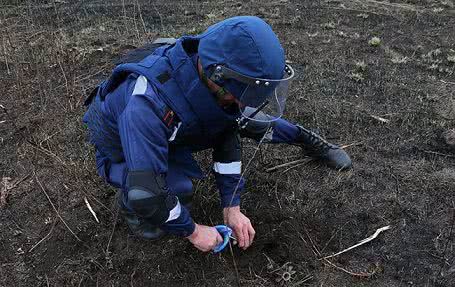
(143, 67)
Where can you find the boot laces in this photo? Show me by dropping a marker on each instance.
(317, 143)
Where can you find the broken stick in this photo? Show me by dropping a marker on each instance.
(295, 162)
(91, 209)
(366, 240)
(55, 209)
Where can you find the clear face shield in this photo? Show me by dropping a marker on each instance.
(265, 95)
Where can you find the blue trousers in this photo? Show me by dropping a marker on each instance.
(178, 176)
(181, 165)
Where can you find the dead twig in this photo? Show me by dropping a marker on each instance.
(91, 209)
(295, 162)
(47, 152)
(352, 144)
(297, 165)
(99, 202)
(140, 16)
(43, 239)
(314, 248)
(55, 209)
(366, 240)
(307, 278)
(276, 194)
(438, 153)
(64, 77)
(356, 274)
(108, 253)
(382, 120)
(235, 264)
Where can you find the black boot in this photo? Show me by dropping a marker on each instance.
(317, 147)
(138, 226)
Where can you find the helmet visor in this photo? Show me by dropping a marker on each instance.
(269, 95)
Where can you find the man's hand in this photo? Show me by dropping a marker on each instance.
(205, 238)
(240, 224)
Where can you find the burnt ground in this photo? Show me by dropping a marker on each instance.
(392, 103)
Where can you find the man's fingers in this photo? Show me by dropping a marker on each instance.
(218, 239)
(252, 233)
(246, 237)
(240, 237)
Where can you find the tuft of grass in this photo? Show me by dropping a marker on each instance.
(374, 42)
(360, 65)
(356, 76)
(448, 3)
(400, 60)
(329, 26)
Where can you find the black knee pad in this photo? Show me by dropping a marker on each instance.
(149, 198)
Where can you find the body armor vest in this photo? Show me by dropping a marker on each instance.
(173, 74)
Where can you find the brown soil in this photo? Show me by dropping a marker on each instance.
(393, 102)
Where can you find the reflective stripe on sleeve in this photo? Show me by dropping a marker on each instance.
(175, 212)
(228, 168)
(175, 132)
(141, 86)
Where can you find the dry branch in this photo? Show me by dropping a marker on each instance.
(91, 209)
(42, 239)
(112, 233)
(356, 274)
(55, 209)
(382, 120)
(366, 240)
(295, 162)
(297, 165)
(352, 144)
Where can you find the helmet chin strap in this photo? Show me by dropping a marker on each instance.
(220, 93)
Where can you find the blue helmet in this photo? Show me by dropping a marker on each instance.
(244, 55)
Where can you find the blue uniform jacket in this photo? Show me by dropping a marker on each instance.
(137, 123)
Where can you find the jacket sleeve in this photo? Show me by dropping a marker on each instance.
(227, 168)
(144, 138)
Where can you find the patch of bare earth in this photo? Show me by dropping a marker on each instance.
(376, 76)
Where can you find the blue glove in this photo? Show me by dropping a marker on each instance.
(226, 233)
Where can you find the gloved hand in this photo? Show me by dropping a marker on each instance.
(240, 224)
(205, 238)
